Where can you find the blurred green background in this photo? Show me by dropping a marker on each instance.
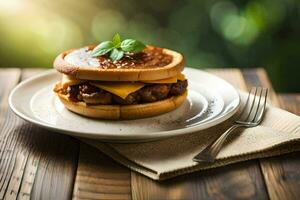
(210, 33)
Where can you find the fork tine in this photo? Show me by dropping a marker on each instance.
(260, 116)
(245, 106)
(252, 105)
(258, 104)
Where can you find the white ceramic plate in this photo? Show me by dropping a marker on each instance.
(210, 101)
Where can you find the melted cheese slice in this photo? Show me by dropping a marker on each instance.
(121, 89)
(181, 77)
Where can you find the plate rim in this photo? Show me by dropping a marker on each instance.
(124, 138)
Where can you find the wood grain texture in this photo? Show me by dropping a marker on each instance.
(239, 181)
(290, 102)
(8, 79)
(99, 177)
(281, 173)
(259, 77)
(35, 163)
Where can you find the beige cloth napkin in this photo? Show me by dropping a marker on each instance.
(278, 134)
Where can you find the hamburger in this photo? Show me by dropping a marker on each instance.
(121, 80)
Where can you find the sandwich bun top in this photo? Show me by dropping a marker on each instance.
(153, 63)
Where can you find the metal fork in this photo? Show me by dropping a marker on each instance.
(251, 116)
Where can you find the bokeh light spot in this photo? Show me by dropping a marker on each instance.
(219, 11)
(238, 26)
(11, 6)
(233, 26)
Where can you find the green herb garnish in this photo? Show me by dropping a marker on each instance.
(116, 48)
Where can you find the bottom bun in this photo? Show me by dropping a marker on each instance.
(115, 112)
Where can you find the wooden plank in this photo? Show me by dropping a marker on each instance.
(99, 177)
(290, 102)
(259, 77)
(281, 173)
(238, 181)
(8, 79)
(35, 163)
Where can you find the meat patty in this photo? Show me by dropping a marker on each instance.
(133, 98)
(86, 88)
(150, 93)
(89, 94)
(103, 98)
(178, 88)
(154, 92)
(73, 91)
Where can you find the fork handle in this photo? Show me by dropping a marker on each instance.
(210, 152)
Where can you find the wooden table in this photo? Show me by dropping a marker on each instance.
(39, 164)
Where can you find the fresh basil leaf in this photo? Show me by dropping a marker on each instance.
(102, 48)
(117, 40)
(116, 54)
(133, 46)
